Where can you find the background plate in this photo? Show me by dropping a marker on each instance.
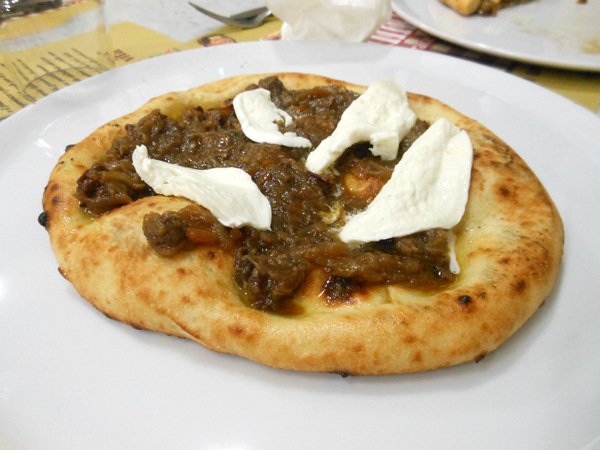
(555, 33)
(71, 379)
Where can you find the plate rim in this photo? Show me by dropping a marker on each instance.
(488, 49)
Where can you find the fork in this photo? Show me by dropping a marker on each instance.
(247, 19)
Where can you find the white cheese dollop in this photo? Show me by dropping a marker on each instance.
(228, 193)
(428, 189)
(258, 116)
(380, 116)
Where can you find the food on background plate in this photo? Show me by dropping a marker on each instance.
(484, 7)
(417, 240)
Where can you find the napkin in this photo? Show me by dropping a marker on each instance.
(325, 20)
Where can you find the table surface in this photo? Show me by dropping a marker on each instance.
(140, 29)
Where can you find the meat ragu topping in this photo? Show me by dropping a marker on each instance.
(307, 209)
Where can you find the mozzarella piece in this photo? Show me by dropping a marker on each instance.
(228, 193)
(380, 116)
(258, 116)
(428, 189)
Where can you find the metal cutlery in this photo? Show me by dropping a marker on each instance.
(247, 19)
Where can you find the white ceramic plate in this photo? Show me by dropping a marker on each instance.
(71, 379)
(557, 33)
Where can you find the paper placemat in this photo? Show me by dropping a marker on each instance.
(132, 42)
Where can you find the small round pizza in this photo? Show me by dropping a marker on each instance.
(308, 224)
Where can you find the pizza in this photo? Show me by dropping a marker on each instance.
(484, 7)
(294, 296)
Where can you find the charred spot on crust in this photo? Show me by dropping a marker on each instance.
(520, 286)
(69, 147)
(343, 374)
(504, 192)
(235, 330)
(410, 339)
(464, 299)
(43, 219)
(479, 358)
(56, 200)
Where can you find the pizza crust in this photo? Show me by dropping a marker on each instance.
(465, 7)
(486, 7)
(509, 246)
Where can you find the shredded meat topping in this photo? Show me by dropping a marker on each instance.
(270, 265)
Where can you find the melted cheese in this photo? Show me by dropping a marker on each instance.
(228, 193)
(380, 116)
(258, 118)
(428, 189)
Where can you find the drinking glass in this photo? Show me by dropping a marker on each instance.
(48, 45)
